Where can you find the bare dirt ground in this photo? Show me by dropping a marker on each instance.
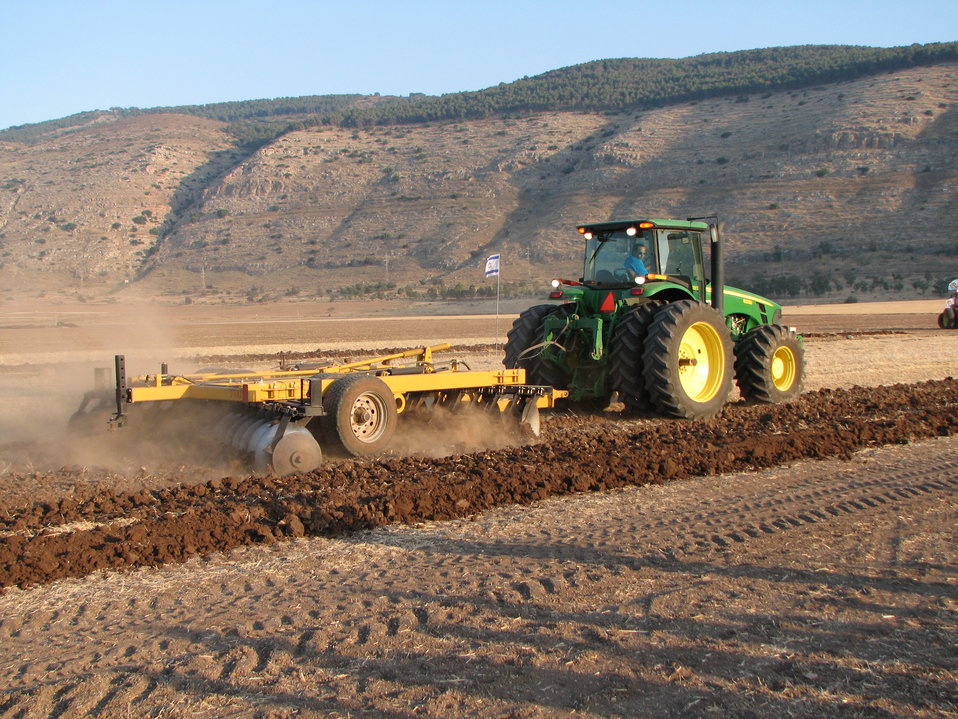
(788, 561)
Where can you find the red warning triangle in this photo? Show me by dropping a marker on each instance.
(608, 304)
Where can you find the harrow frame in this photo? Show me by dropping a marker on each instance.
(299, 404)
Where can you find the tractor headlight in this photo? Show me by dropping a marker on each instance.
(556, 283)
(640, 279)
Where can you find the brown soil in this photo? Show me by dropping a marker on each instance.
(619, 566)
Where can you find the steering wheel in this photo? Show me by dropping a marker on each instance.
(624, 274)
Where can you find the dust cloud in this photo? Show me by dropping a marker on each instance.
(48, 360)
(157, 446)
(442, 432)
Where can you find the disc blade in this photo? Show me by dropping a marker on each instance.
(296, 452)
(530, 418)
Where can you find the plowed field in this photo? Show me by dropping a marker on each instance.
(795, 560)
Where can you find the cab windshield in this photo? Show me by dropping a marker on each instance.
(615, 258)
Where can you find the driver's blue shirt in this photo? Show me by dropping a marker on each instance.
(636, 265)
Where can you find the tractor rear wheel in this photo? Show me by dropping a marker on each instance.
(625, 356)
(687, 361)
(522, 350)
(360, 415)
(770, 364)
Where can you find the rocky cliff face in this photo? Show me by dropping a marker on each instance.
(854, 166)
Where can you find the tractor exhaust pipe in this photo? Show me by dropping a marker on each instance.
(718, 269)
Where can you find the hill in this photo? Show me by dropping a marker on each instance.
(835, 189)
(614, 84)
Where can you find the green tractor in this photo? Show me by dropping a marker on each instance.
(643, 321)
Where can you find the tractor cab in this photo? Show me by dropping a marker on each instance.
(627, 255)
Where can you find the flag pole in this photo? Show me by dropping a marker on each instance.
(493, 268)
(497, 312)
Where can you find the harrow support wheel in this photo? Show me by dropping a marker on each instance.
(526, 333)
(625, 356)
(770, 364)
(687, 361)
(360, 415)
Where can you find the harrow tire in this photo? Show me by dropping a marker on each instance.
(527, 332)
(687, 360)
(360, 415)
(625, 356)
(770, 365)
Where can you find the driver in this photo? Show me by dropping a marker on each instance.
(635, 262)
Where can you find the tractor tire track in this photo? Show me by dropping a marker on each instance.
(836, 499)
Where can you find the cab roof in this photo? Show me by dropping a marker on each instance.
(602, 227)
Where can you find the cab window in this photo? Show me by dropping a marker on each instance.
(677, 252)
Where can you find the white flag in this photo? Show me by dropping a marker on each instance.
(492, 265)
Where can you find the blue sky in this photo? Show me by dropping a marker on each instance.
(59, 57)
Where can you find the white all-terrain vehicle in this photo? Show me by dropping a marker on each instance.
(947, 318)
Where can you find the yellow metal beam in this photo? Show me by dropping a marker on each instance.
(294, 385)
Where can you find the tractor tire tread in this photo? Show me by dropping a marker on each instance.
(625, 357)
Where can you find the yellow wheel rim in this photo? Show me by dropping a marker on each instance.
(701, 362)
(783, 368)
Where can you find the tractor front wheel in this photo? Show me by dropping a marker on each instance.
(770, 364)
(687, 362)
